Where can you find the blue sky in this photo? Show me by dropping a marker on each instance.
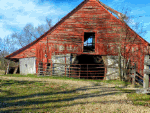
(15, 14)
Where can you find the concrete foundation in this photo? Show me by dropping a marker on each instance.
(111, 63)
(59, 69)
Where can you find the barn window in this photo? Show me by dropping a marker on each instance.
(89, 42)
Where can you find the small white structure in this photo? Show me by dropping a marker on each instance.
(27, 65)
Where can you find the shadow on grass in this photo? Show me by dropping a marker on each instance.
(16, 82)
(103, 91)
(7, 92)
(5, 83)
(50, 108)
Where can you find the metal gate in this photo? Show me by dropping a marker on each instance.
(86, 71)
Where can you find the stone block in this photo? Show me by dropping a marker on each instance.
(143, 91)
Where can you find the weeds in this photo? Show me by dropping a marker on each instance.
(139, 99)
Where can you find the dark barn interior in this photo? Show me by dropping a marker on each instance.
(89, 67)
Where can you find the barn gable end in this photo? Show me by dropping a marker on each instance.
(89, 16)
(90, 20)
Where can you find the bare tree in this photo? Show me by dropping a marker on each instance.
(20, 39)
(124, 43)
(6, 47)
(30, 33)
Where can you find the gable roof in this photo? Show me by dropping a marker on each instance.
(61, 21)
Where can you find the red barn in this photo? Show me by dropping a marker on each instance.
(85, 43)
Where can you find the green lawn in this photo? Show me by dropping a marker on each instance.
(117, 82)
(35, 96)
(137, 99)
(26, 96)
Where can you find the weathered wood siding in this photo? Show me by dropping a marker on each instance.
(90, 16)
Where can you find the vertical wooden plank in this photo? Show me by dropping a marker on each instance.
(69, 71)
(65, 65)
(79, 70)
(133, 78)
(87, 71)
(15, 69)
(105, 69)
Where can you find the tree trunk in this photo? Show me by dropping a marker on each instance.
(119, 64)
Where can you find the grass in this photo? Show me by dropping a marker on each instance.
(125, 90)
(96, 82)
(50, 77)
(137, 99)
(116, 82)
(96, 92)
(2, 72)
(27, 96)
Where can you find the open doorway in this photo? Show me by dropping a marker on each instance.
(88, 67)
(89, 42)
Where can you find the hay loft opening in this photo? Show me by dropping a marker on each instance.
(89, 42)
(88, 67)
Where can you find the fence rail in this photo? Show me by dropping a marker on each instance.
(96, 71)
(87, 71)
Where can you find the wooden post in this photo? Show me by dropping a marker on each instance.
(51, 68)
(146, 81)
(87, 71)
(119, 64)
(133, 78)
(15, 70)
(105, 73)
(7, 69)
(65, 65)
(79, 71)
(69, 71)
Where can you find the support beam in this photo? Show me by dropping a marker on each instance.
(7, 69)
(146, 81)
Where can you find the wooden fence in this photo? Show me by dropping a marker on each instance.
(86, 71)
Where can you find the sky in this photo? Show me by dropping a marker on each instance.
(15, 14)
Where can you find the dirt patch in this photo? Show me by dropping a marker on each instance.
(95, 98)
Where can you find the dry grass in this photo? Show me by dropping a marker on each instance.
(26, 94)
